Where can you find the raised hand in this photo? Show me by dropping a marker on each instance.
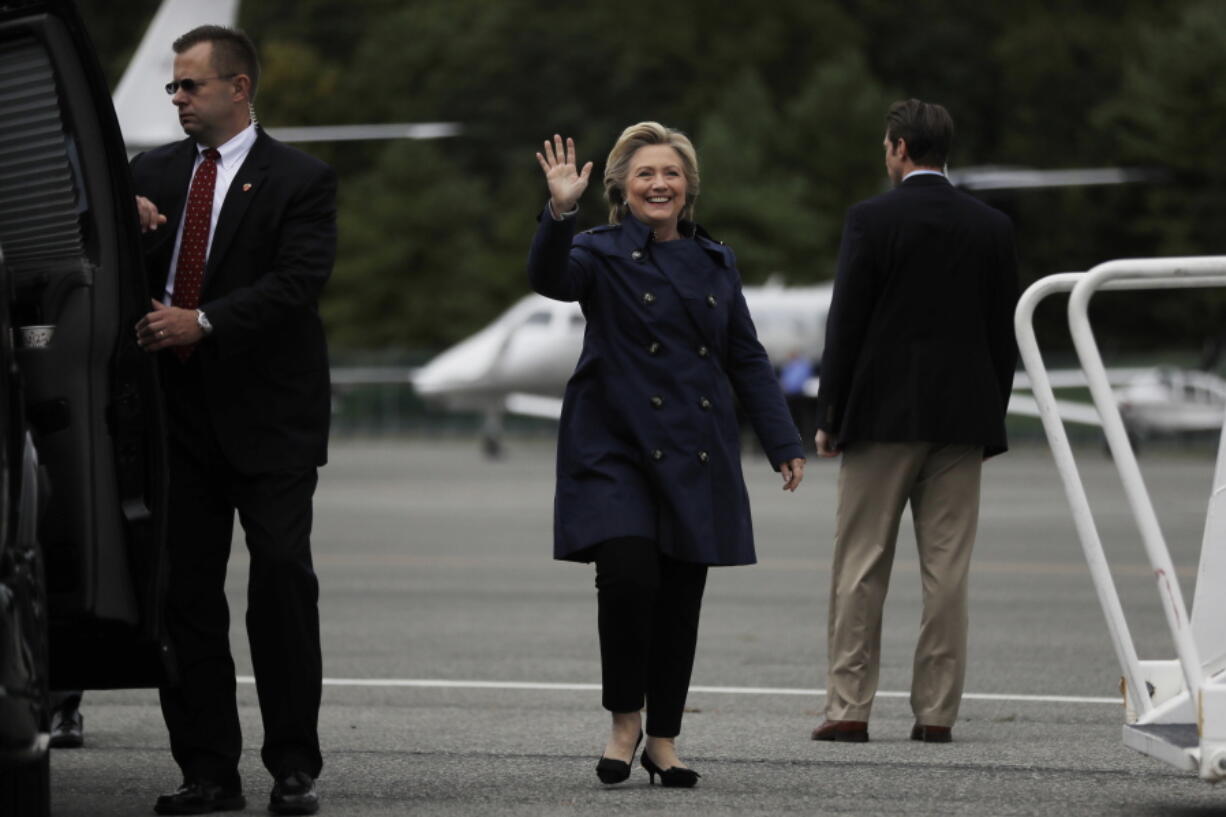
(566, 181)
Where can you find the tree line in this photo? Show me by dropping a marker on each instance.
(785, 104)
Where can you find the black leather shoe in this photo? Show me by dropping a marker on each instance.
(294, 793)
(67, 729)
(932, 734)
(201, 797)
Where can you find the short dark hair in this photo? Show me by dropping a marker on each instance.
(927, 127)
(233, 51)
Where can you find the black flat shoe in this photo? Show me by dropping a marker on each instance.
(612, 771)
(200, 797)
(294, 793)
(674, 777)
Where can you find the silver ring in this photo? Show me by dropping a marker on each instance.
(161, 333)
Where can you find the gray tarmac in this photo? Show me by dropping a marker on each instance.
(435, 566)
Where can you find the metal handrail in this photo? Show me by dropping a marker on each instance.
(1074, 489)
(1156, 273)
(1062, 452)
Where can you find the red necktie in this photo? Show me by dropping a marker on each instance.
(194, 247)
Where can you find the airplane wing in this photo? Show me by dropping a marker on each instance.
(1069, 411)
(550, 408)
(534, 405)
(990, 177)
(1075, 378)
(349, 133)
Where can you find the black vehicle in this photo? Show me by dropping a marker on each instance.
(82, 436)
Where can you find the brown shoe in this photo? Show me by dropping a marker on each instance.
(842, 731)
(932, 734)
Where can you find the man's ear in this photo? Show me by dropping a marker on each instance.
(242, 87)
(900, 149)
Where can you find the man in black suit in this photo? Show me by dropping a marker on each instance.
(240, 239)
(916, 377)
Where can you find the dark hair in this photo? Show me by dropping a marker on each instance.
(928, 129)
(233, 51)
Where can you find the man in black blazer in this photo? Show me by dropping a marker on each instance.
(240, 238)
(916, 378)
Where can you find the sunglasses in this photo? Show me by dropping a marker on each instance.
(192, 85)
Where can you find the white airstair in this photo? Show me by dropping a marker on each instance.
(1175, 710)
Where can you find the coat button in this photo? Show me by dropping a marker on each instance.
(637, 255)
(705, 403)
(703, 351)
(648, 298)
(703, 457)
(657, 455)
(656, 401)
(653, 348)
(711, 301)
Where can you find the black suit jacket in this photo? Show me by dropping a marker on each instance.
(265, 365)
(919, 340)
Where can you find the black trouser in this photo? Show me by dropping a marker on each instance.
(648, 620)
(282, 603)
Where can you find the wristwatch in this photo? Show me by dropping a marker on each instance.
(203, 322)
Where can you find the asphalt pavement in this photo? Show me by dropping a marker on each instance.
(462, 663)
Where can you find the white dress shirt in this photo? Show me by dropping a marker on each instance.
(233, 154)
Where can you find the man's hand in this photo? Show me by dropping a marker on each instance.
(168, 326)
(150, 218)
(793, 471)
(827, 446)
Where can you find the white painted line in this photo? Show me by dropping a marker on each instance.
(441, 683)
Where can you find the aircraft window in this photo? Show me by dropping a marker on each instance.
(537, 319)
(577, 320)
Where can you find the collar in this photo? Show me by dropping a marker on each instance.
(236, 148)
(923, 173)
(635, 235)
(641, 235)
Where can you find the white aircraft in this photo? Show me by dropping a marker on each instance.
(519, 365)
(1155, 401)
(147, 119)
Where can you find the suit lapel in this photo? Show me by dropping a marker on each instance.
(243, 189)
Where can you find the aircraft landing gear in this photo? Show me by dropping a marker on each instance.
(491, 435)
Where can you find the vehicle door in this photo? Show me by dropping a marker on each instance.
(71, 243)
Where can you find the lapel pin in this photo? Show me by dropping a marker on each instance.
(246, 187)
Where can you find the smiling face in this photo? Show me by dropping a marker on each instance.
(217, 109)
(656, 188)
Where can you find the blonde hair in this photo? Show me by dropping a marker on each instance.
(617, 166)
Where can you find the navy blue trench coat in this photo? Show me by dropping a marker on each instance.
(649, 444)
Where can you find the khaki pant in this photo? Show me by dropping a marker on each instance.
(876, 481)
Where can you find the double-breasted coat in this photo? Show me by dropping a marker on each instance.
(649, 443)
